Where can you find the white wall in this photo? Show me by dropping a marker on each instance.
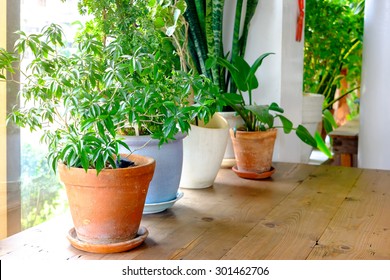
(273, 30)
(374, 135)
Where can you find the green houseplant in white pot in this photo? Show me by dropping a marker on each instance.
(254, 141)
(201, 149)
(205, 145)
(75, 100)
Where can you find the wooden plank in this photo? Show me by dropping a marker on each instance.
(291, 229)
(345, 143)
(349, 129)
(346, 159)
(44, 242)
(361, 227)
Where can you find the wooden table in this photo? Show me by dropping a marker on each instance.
(345, 143)
(302, 212)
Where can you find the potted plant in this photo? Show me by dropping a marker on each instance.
(200, 167)
(200, 37)
(253, 143)
(205, 40)
(76, 100)
(159, 120)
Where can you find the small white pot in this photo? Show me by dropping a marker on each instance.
(311, 117)
(203, 151)
(233, 121)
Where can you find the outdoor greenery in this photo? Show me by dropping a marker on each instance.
(333, 46)
(42, 195)
(333, 53)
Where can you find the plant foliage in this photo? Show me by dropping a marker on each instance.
(123, 74)
(257, 117)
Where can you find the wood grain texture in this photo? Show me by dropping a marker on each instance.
(301, 212)
(361, 227)
(292, 229)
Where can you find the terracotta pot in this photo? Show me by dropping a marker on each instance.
(107, 208)
(253, 150)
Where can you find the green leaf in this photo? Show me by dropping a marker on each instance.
(233, 98)
(321, 145)
(99, 163)
(251, 77)
(64, 152)
(275, 107)
(234, 72)
(84, 160)
(110, 126)
(328, 116)
(305, 136)
(122, 143)
(159, 22)
(244, 68)
(287, 124)
(211, 62)
(112, 162)
(101, 130)
(262, 114)
(327, 126)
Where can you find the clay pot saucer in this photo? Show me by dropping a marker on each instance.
(253, 175)
(107, 248)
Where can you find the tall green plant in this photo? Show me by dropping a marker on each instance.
(239, 41)
(205, 18)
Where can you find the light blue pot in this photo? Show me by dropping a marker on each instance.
(163, 189)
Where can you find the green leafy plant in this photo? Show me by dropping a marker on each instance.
(257, 117)
(119, 77)
(205, 20)
(333, 47)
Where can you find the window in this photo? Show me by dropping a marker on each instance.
(29, 192)
(9, 136)
(42, 195)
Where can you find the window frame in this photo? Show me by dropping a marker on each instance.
(10, 199)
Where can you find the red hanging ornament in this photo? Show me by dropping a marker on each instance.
(301, 16)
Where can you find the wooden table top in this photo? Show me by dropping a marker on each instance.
(302, 212)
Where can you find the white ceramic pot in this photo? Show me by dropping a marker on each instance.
(311, 118)
(203, 151)
(233, 121)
